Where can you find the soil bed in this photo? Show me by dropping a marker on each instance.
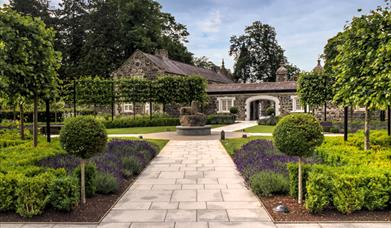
(297, 213)
(95, 208)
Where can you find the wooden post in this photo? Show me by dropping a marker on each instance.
(300, 184)
(82, 182)
(47, 120)
(345, 124)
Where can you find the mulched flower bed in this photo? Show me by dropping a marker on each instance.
(95, 208)
(297, 213)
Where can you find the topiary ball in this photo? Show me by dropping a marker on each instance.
(298, 134)
(83, 136)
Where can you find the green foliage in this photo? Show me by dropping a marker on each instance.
(234, 110)
(270, 111)
(314, 88)
(8, 186)
(360, 59)
(83, 136)
(131, 166)
(257, 53)
(125, 122)
(318, 191)
(267, 183)
(347, 196)
(64, 193)
(221, 119)
(32, 194)
(134, 90)
(94, 91)
(106, 183)
(90, 178)
(298, 134)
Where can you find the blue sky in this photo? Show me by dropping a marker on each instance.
(303, 26)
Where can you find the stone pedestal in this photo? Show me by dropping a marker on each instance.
(193, 130)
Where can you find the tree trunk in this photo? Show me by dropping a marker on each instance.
(14, 112)
(35, 121)
(21, 124)
(366, 130)
(345, 124)
(47, 103)
(325, 111)
(150, 110)
(134, 110)
(389, 120)
(82, 182)
(300, 184)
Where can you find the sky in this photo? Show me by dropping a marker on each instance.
(303, 26)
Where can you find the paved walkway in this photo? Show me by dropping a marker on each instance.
(237, 126)
(190, 184)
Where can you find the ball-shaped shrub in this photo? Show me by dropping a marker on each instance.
(83, 136)
(298, 134)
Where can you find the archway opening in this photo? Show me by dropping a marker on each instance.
(261, 106)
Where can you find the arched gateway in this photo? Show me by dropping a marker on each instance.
(250, 100)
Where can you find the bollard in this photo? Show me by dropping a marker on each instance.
(140, 137)
(244, 136)
(222, 135)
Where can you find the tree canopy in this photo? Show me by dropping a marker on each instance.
(257, 54)
(28, 61)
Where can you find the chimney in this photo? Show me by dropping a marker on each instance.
(162, 53)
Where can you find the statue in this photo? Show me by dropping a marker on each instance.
(189, 116)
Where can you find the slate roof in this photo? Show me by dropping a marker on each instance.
(263, 87)
(175, 67)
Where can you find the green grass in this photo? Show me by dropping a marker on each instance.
(146, 130)
(260, 129)
(231, 145)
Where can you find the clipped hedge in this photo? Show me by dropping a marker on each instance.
(125, 122)
(221, 119)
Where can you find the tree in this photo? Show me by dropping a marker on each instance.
(360, 58)
(34, 8)
(298, 135)
(28, 61)
(315, 89)
(204, 62)
(257, 53)
(83, 136)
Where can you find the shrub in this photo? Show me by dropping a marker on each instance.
(124, 122)
(347, 196)
(270, 111)
(64, 193)
(318, 189)
(90, 178)
(234, 110)
(106, 183)
(266, 183)
(221, 119)
(83, 136)
(32, 194)
(298, 135)
(131, 166)
(8, 186)
(334, 130)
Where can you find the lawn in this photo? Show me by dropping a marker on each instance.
(146, 130)
(260, 129)
(231, 145)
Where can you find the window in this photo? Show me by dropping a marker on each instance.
(296, 105)
(128, 108)
(225, 103)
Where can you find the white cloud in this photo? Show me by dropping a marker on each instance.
(212, 23)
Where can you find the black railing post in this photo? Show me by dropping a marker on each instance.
(47, 120)
(112, 99)
(74, 98)
(345, 124)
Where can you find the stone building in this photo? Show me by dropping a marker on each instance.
(251, 99)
